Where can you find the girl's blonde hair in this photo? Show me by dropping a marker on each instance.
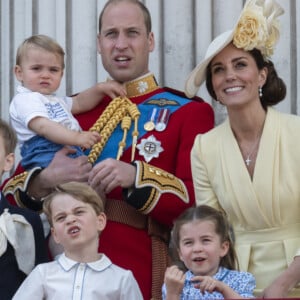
(222, 228)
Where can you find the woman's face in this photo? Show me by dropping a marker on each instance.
(235, 77)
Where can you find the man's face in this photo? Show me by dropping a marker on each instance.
(124, 43)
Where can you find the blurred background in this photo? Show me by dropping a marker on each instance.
(182, 29)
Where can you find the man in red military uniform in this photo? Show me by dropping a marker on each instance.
(142, 163)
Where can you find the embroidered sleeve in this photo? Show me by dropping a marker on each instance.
(17, 187)
(150, 183)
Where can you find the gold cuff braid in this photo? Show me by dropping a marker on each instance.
(19, 183)
(161, 182)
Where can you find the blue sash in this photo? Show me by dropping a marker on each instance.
(161, 100)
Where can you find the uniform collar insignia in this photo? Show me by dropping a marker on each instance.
(141, 86)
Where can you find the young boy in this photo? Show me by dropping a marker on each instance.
(75, 213)
(22, 243)
(43, 121)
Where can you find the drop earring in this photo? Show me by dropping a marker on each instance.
(260, 92)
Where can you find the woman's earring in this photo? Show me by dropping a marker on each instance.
(260, 92)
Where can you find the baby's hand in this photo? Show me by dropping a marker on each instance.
(86, 139)
(112, 89)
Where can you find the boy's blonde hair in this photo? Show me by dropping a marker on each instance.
(80, 191)
(9, 137)
(41, 41)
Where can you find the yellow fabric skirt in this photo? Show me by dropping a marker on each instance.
(264, 254)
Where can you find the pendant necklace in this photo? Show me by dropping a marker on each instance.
(248, 160)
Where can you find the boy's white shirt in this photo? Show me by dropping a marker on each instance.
(68, 279)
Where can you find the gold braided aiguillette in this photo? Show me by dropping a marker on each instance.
(117, 110)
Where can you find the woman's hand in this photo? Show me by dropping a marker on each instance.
(280, 287)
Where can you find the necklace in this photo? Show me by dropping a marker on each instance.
(248, 159)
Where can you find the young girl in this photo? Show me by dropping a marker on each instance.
(201, 236)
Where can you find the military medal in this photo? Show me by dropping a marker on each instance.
(149, 125)
(162, 119)
(149, 148)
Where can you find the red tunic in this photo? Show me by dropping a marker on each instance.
(130, 247)
(125, 245)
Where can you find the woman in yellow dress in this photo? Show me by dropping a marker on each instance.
(249, 166)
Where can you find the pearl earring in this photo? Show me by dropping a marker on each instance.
(260, 92)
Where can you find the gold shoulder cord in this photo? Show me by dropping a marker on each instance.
(119, 110)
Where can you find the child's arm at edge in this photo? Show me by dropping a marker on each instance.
(57, 133)
(88, 99)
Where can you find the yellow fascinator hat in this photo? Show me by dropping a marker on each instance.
(257, 27)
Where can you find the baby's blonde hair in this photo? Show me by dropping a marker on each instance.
(40, 41)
